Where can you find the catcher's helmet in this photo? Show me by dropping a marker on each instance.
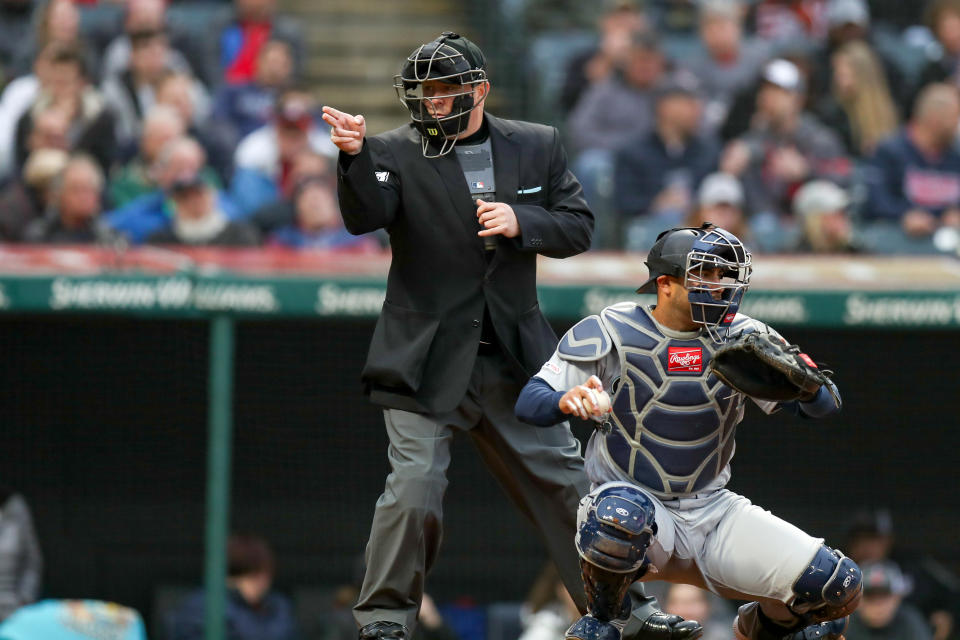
(687, 254)
(451, 59)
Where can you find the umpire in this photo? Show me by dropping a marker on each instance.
(468, 200)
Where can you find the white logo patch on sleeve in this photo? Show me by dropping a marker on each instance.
(552, 367)
(382, 176)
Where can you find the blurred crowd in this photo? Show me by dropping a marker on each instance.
(121, 125)
(802, 125)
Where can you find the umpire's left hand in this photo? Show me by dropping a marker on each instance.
(497, 218)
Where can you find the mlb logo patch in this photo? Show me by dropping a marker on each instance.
(685, 359)
(382, 176)
(727, 319)
(478, 185)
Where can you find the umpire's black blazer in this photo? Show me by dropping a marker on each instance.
(425, 342)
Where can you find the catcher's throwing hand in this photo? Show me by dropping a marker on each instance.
(497, 218)
(763, 366)
(585, 400)
(346, 131)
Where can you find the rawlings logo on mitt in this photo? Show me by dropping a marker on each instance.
(762, 366)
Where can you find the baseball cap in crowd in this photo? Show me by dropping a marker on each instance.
(818, 197)
(720, 188)
(784, 74)
(186, 182)
(295, 113)
(841, 12)
(680, 83)
(884, 578)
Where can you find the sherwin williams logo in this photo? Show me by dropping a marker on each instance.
(685, 360)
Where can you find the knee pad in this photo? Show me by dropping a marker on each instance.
(618, 527)
(829, 588)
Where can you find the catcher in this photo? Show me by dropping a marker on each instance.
(679, 374)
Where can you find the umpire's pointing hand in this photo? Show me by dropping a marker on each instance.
(497, 218)
(346, 131)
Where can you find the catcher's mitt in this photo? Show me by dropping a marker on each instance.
(763, 366)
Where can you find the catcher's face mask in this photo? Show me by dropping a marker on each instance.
(717, 275)
(437, 85)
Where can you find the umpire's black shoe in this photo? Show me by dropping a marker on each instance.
(662, 626)
(383, 631)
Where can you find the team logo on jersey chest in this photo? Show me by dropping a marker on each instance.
(685, 359)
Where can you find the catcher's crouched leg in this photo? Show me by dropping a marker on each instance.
(616, 528)
(827, 592)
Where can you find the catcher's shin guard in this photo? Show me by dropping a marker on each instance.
(607, 600)
(752, 624)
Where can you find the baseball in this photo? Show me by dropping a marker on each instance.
(600, 400)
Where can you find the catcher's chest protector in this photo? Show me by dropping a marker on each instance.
(674, 422)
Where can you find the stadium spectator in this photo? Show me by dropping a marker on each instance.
(849, 21)
(935, 590)
(240, 109)
(943, 64)
(198, 219)
(720, 201)
(149, 213)
(143, 16)
(15, 18)
(178, 90)
(133, 91)
(859, 107)
(134, 179)
(822, 210)
(264, 158)
(620, 22)
(87, 123)
(548, 610)
(26, 197)
(21, 561)
(75, 205)
(254, 609)
(882, 614)
(914, 177)
(317, 222)
(656, 174)
(611, 111)
(56, 21)
(239, 39)
(730, 63)
(791, 22)
(693, 603)
(783, 148)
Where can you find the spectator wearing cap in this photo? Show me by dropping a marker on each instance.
(27, 196)
(263, 159)
(822, 210)
(253, 608)
(730, 63)
(132, 92)
(239, 37)
(75, 204)
(790, 22)
(935, 589)
(914, 177)
(943, 64)
(240, 109)
(86, 122)
(849, 21)
(656, 174)
(783, 148)
(720, 201)
(152, 212)
(882, 614)
(619, 23)
(859, 106)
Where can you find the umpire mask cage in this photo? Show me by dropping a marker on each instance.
(716, 276)
(451, 60)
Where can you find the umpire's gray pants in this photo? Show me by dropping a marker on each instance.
(540, 469)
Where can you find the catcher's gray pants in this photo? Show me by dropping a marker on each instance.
(540, 469)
